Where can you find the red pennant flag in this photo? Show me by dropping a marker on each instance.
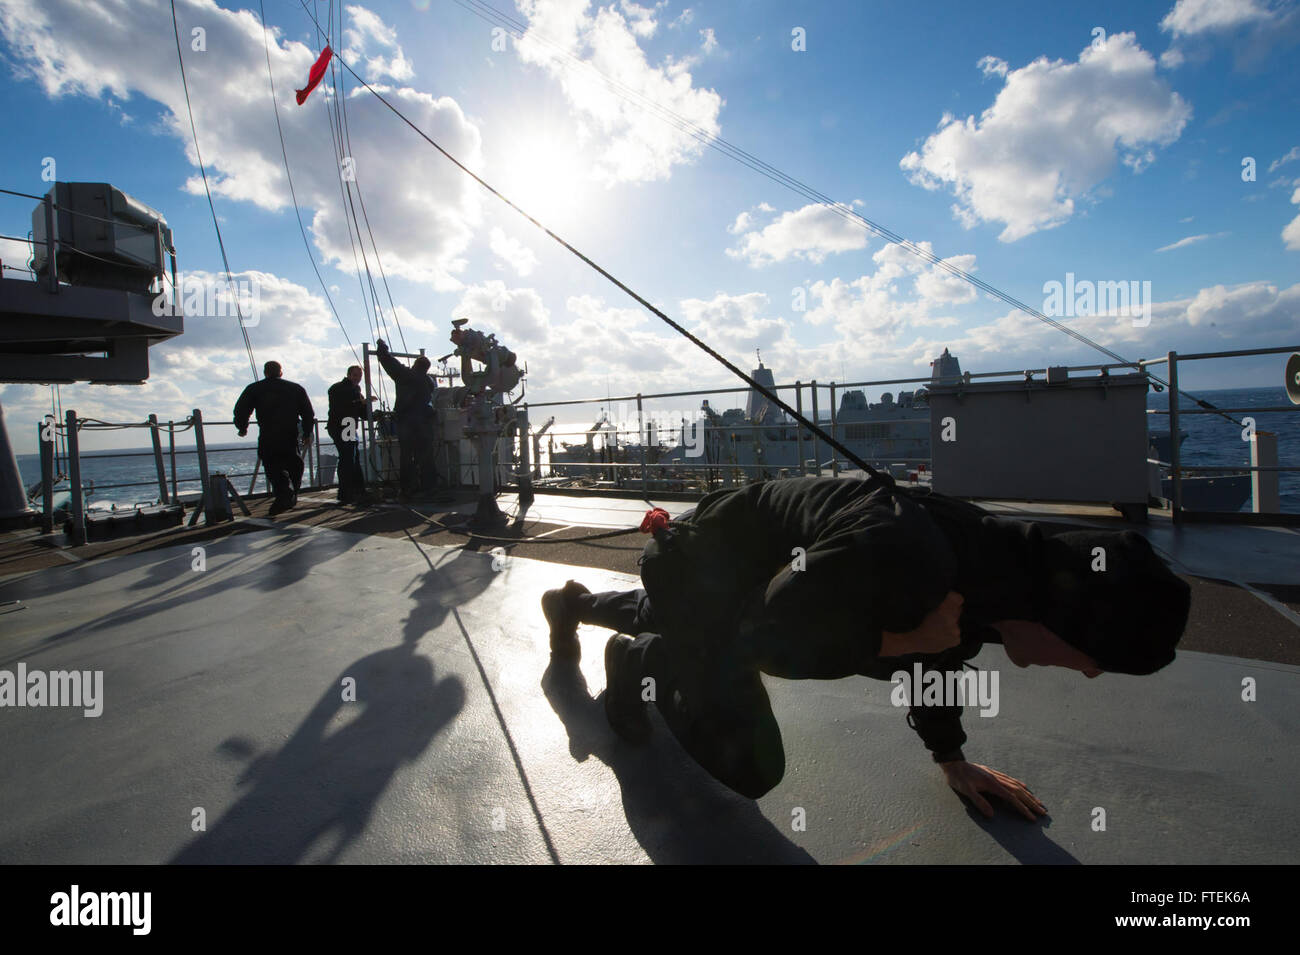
(314, 77)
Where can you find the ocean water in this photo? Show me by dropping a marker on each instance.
(104, 468)
(1211, 442)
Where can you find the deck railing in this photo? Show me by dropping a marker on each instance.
(169, 479)
(706, 474)
(1263, 465)
(811, 462)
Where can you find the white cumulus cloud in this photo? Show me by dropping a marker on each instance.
(641, 19)
(1054, 132)
(627, 142)
(735, 325)
(904, 293)
(1214, 318)
(423, 214)
(513, 252)
(809, 233)
(1291, 234)
(364, 32)
(1188, 17)
(516, 315)
(1193, 23)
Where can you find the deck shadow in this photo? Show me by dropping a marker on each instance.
(675, 810)
(168, 580)
(321, 783)
(1026, 841)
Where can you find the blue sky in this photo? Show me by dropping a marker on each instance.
(1012, 138)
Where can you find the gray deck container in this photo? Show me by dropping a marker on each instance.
(1074, 439)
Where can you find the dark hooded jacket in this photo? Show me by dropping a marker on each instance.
(809, 571)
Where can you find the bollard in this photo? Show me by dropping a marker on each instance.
(47, 473)
(217, 499)
(1175, 454)
(78, 531)
(205, 484)
(835, 459)
(524, 479)
(798, 428)
(1264, 484)
(158, 459)
(817, 458)
(171, 452)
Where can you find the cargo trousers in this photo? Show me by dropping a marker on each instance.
(690, 657)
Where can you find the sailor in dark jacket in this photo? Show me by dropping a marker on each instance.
(347, 411)
(413, 414)
(823, 578)
(279, 405)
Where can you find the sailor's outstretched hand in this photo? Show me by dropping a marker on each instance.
(971, 779)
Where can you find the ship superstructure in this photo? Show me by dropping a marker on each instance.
(761, 442)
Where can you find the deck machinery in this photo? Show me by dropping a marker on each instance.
(474, 422)
(487, 415)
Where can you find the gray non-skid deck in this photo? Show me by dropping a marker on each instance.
(224, 691)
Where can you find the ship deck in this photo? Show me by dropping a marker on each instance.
(223, 692)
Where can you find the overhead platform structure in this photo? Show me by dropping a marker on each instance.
(101, 336)
(98, 304)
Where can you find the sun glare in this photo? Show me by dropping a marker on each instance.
(547, 178)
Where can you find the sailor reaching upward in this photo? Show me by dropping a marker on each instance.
(414, 416)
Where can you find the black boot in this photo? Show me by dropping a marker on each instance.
(560, 608)
(624, 707)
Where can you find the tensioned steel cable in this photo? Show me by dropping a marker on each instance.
(284, 153)
(332, 115)
(761, 388)
(243, 330)
(518, 29)
(345, 150)
(356, 181)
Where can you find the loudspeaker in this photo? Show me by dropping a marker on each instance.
(1293, 378)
